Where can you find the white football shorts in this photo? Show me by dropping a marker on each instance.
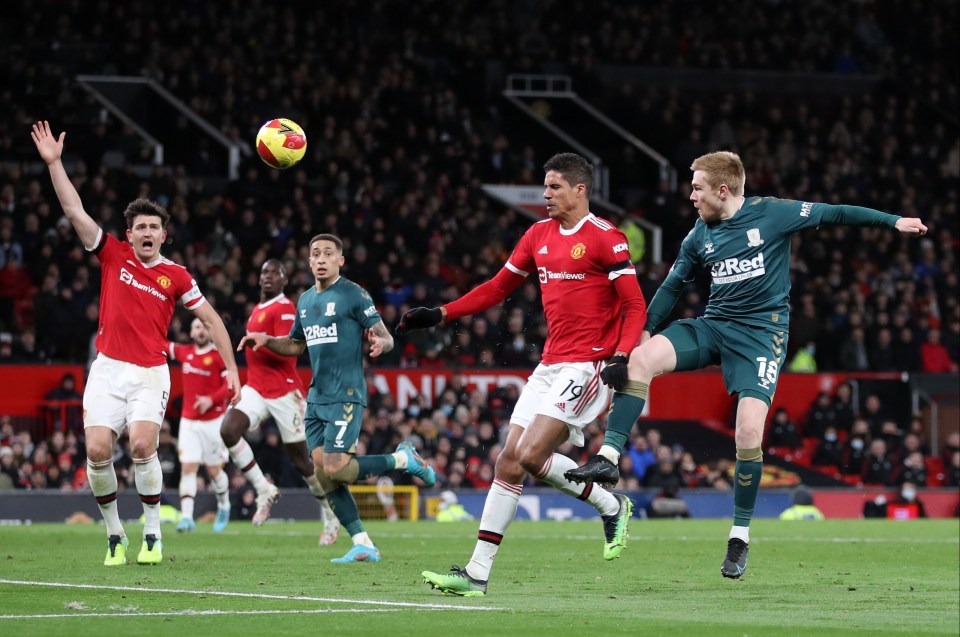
(287, 412)
(118, 393)
(571, 392)
(200, 442)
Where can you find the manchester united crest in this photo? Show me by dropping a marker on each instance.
(164, 281)
(578, 251)
(208, 360)
(261, 317)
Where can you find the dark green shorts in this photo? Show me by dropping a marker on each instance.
(336, 426)
(749, 357)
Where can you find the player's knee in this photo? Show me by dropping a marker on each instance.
(142, 448)
(508, 469)
(530, 460)
(99, 452)
(638, 367)
(338, 472)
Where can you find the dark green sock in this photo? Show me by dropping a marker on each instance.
(345, 507)
(746, 485)
(624, 412)
(375, 466)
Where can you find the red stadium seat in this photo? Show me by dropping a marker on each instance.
(936, 476)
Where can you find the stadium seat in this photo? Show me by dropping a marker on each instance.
(936, 477)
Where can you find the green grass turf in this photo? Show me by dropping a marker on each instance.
(804, 578)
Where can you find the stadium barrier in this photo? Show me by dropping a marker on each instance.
(28, 507)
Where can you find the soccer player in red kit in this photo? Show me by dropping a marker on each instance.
(274, 388)
(198, 442)
(129, 381)
(595, 310)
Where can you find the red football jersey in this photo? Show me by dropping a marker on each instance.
(576, 269)
(137, 302)
(204, 374)
(270, 374)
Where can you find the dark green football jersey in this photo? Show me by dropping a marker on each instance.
(748, 257)
(332, 323)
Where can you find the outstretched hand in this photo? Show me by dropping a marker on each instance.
(615, 374)
(419, 318)
(49, 147)
(255, 340)
(911, 226)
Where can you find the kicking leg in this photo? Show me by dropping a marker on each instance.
(655, 356)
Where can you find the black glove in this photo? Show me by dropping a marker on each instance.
(614, 375)
(418, 318)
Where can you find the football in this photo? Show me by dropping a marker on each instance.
(281, 143)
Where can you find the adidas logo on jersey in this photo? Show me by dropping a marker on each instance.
(562, 406)
(543, 250)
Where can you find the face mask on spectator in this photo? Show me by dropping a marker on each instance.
(908, 494)
(857, 443)
(447, 410)
(830, 437)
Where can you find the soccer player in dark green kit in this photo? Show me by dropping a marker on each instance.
(332, 319)
(745, 242)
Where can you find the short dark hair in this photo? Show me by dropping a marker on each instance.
(278, 263)
(332, 238)
(574, 168)
(146, 207)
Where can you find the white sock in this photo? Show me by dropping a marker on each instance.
(103, 482)
(314, 483)
(611, 454)
(401, 459)
(188, 493)
(498, 512)
(362, 538)
(242, 456)
(221, 486)
(741, 532)
(601, 499)
(149, 479)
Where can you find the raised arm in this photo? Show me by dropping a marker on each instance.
(51, 150)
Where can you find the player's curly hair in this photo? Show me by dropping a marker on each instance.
(722, 167)
(574, 168)
(143, 206)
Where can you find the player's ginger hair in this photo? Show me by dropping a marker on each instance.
(722, 167)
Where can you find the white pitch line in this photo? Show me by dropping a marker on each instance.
(193, 613)
(295, 598)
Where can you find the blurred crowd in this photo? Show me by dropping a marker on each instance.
(401, 106)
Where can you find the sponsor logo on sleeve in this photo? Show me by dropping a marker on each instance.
(620, 247)
(370, 311)
(806, 208)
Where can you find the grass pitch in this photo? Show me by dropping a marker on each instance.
(804, 578)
